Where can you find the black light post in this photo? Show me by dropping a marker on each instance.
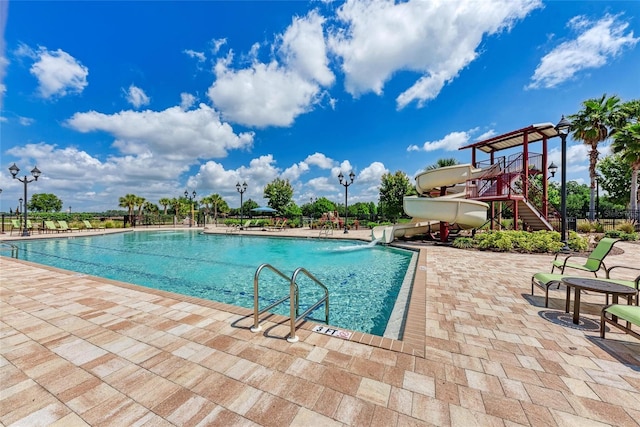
(191, 199)
(553, 169)
(598, 178)
(346, 186)
(36, 173)
(563, 130)
(241, 189)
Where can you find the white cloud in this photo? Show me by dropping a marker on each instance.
(319, 160)
(58, 73)
(187, 101)
(488, 134)
(372, 173)
(275, 93)
(436, 40)
(173, 134)
(450, 142)
(217, 44)
(196, 55)
(136, 96)
(596, 43)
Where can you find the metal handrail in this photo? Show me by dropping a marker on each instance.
(294, 317)
(256, 277)
(294, 296)
(14, 249)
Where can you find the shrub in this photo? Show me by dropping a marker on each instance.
(585, 227)
(627, 227)
(576, 242)
(614, 234)
(463, 243)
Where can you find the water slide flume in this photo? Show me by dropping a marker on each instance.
(448, 209)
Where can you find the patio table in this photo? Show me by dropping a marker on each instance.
(594, 285)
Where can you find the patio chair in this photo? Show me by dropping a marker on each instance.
(89, 226)
(629, 313)
(632, 283)
(594, 261)
(65, 227)
(15, 224)
(279, 227)
(50, 227)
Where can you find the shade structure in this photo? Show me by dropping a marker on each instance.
(264, 209)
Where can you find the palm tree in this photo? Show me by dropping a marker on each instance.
(592, 125)
(441, 163)
(627, 142)
(215, 200)
(129, 202)
(140, 204)
(164, 202)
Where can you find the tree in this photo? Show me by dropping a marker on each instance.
(140, 204)
(441, 163)
(577, 199)
(219, 205)
(626, 142)
(279, 192)
(592, 125)
(248, 205)
(165, 202)
(129, 202)
(393, 188)
(45, 202)
(615, 178)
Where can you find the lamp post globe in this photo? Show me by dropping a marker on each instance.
(346, 183)
(563, 128)
(35, 172)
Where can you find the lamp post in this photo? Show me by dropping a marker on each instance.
(191, 199)
(346, 186)
(562, 128)
(241, 189)
(598, 178)
(553, 169)
(36, 174)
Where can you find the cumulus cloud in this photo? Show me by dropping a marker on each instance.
(450, 142)
(174, 133)
(58, 73)
(596, 43)
(136, 96)
(187, 101)
(436, 40)
(275, 93)
(319, 160)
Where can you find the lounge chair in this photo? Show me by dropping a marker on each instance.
(594, 261)
(89, 226)
(15, 224)
(65, 227)
(30, 226)
(279, 226)
(50, 226)
(629, 313)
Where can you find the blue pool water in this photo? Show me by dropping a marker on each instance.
(363, 280)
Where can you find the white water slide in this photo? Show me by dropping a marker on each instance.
(428, 211)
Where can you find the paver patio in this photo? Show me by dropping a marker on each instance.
(478, 350)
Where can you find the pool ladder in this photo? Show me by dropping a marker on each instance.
(294, 312)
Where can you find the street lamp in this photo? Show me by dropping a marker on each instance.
(36, 173)
(241, 189)
(562, 128)
(346, 186)
(553, 169)
(190, 198)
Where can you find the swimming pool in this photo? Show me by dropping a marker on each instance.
(363, 280)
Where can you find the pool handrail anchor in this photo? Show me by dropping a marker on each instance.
(256, 278)
(294, 317)
(294, 295)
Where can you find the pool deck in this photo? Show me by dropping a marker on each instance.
(478, 350)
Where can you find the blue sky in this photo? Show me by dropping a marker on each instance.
(155, 98)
